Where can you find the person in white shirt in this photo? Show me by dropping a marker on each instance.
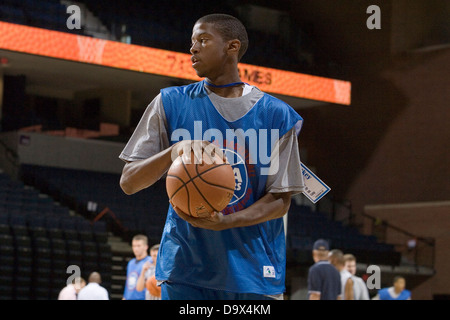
(93, 290)
(336, 258)
(70, 291)
(360, 288)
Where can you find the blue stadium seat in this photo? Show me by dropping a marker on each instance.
(12, 14)
(4, 218)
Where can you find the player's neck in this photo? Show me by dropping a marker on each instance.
(397, 290)
(227, 86)
(143, 256)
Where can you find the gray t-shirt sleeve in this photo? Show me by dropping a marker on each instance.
(287, 175)
(150, 136)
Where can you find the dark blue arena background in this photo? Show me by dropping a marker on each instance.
(384, 155)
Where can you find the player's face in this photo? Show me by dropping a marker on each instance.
(139, 248)
(350, 266)
(209, 50)
(400, 285)
(154, 255)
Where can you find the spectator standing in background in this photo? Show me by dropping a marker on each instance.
(359, 285)
(396, 292)
(336, 258)
(139, 244)
(93, 290)
(148, 270)
(324, 280)
(70, 291)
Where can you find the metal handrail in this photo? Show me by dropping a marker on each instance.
(350, 219)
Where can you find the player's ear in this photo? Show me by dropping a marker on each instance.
(234, 46)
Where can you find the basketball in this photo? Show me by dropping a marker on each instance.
(200, 189)
(152, 287)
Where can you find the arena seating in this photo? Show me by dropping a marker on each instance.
(39, 239)
(145, 212)
(90, 193)
(49, 14)
(306, 226)
(40, 236)
(154, 26)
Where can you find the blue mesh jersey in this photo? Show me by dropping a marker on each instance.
(134, 268)
(385, 295)
(246, 259)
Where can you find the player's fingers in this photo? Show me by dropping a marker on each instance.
(209, 152)
(213, 152)
(186, 153)
(197, 147)
(204, 214)
(224, 157)
(215, 215)
(180, 213)
(220, 154)
(177, 150)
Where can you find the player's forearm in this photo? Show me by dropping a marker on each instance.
(349, 294)
(270, 206)
(140, 284)
(138, 175)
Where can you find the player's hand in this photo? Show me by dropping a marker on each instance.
(202, 150)
(146, 266)
(216, 221)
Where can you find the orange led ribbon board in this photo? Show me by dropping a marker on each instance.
(67, 46)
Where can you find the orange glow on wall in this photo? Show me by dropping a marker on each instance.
(67, 46)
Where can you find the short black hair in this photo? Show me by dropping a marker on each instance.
(229, 27)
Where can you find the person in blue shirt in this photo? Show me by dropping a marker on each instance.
(239, 253)
(396, 292)
(139, 245)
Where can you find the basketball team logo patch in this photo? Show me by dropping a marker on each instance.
(269, 272)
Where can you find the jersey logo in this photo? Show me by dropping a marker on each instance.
(132, 280)
(240, 175)
(269, 272)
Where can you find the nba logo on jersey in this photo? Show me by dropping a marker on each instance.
(240, 174)
(269, 272)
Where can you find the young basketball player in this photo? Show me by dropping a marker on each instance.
(239, 253)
